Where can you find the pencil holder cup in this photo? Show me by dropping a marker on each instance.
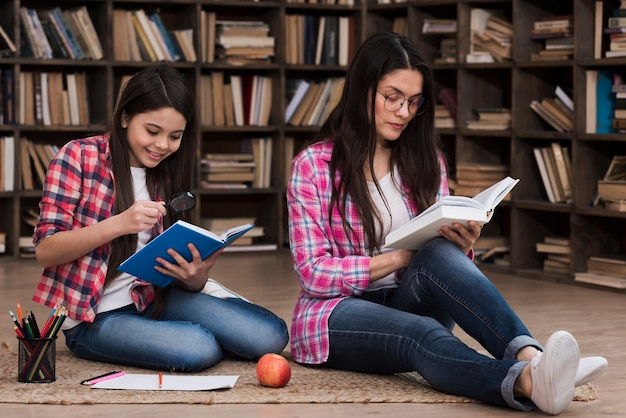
(36, 360)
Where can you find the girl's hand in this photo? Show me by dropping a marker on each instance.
(463, 236)
(190, 275)
(141, 216)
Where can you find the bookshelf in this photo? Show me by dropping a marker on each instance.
(529, 217)
(526, 219)
(256, 126)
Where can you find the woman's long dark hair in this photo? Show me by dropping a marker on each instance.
(151, 89)
(352, 128)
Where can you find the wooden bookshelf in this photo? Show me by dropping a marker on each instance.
(526, 219)
(224, 133)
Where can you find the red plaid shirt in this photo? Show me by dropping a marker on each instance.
(79, 192)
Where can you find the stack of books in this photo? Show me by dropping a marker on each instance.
(26, 247)
(616, 30)
(243, 41)
(612, 187)
(228, 170)
(443, 118)
(557, 252)
(491, 118)
(607, 271)
(557, 35)
(491, 37)
(472, 178)
(447, 29)
(555, 168)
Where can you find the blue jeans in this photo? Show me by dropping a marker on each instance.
(193, 332)
(410, 329)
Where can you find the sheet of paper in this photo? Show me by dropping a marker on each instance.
(170, 382)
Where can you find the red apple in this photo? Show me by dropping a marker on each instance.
(273, 370)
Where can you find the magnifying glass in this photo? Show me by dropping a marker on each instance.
(182, 202)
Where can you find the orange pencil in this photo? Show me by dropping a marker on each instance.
(20, 314)
(160, 380)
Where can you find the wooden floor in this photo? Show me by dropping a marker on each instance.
(596, 318)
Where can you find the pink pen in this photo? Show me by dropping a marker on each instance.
(102, 378)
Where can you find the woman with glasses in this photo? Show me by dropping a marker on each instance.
(375, 164)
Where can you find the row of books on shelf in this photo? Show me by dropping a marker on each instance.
(53, 98)
(55, 33)
(555, 169)
(235, 100)
(34, 161)
(7, 167)
(556, 111)
(606, 102)
(310, 101)
(319, 40)
(141, 35)
(249, 168)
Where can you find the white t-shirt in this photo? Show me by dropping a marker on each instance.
(117, 294)
(393, 216)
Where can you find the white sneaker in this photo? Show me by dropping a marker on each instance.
(590, 368)
(214, 288)
(554, 373)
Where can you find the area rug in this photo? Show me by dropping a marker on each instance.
(307, 385)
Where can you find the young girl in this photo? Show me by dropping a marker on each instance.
(103, 200)
(376, 165)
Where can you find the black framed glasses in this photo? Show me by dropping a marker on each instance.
(395, 101)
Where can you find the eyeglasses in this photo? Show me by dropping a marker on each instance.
(395, 101)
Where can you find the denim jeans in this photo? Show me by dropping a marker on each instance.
(410, 329)
(193, 332)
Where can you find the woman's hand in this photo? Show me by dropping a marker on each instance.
(190, 275)
(463, 236)
(141, 216)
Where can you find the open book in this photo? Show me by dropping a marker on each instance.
(141, 264)
(446, 211)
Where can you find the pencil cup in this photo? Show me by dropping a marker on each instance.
(36, 360)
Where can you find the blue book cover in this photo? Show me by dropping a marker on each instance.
(141, 264)
(605, 104)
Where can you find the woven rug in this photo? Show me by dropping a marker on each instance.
(307, 385)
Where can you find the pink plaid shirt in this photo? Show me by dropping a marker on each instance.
(326, 265)
(79, 191)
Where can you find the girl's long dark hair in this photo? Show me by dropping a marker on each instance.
(151, 89)
(352, 128)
